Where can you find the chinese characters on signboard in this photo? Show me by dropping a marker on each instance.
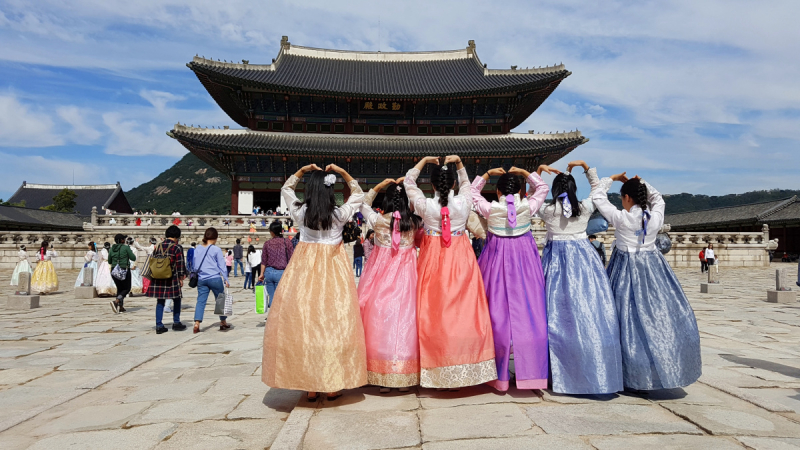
(381, 106)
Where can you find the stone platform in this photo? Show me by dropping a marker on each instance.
(73, 374)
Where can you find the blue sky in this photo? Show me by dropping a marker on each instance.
(697, 97)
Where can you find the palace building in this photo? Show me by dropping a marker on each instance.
(374, 114)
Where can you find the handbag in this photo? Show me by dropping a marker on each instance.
(223, 303)
(350, 232)
(119, 273)
(262, 299)
(195, 273)
(160, 265)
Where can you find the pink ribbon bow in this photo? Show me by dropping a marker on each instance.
(396, 231)
(446, 236)
(512, 211)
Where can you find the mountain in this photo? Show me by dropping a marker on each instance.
(190, 186)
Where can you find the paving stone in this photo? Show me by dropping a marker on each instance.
(544, 442)
(68, 379)
(22, 375)
(735, 420)
(97, 417)
(147, 377)
(663, 442)
(136, 438)
(469, 422)
(250, 385)
(622, 398)
(787, 397)
(216, 372)
(474, 395)
(7, 351)
(605, 419)
(362, 430)
(759, 443)
(369, 399)
(169, 392)
(105, 361)
(189, 410)
(275, 403)
(696, 394)
(223, 434)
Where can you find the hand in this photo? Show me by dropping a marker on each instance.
(261, 278)
(452, 159)
(383, 184)
(227, 284)
(619, 177)
(431, 160)
(400, 180)
(180, 282)
(333, 168)
(518, 171)
(309, 168)
(548, 169)
(577, 163)
(496, 172)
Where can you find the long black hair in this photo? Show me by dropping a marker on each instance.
(442, 181)
(395, 199)
(509, 184)
(320, 202)
(565, 183)
(637, 191)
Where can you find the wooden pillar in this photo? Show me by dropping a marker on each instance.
(234, 197)
(783, 241)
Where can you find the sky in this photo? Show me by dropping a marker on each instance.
(698, 97)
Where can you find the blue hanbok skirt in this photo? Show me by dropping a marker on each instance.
(91, 264)
(583, 330)
(660, 340)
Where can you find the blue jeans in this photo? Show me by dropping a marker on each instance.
(357, 262)
(176, 311)
(271, 279)
(237, 262)
(214, 285)
(248, 280)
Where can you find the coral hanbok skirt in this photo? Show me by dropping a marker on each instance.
(314, 338)
(455, 331)
(387, 295)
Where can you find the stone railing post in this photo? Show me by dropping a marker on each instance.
(93, 219)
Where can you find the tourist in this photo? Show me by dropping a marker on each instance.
(22, 266)
(512, 277)
(358, 257)
(296, 239)
(254, 260)
(238, 254)
(275, 256)
(137, 286)
(599, 247)
(658, 330)
(44, 279)
(148, 251)
(315, 308)
(162, 289)
(709, 254)
(103, 282)
(583, 329)
(455, 330)
(212, 276)
(369, 242)
(387, 292)
(248, 270)
(120, 255)
(90, 261)
(190, 257)
(229, 261)
(703, 261)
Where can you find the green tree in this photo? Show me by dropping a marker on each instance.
(19, 204)
(64, 201)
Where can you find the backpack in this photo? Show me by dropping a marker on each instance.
(351, 232)
(160, 264)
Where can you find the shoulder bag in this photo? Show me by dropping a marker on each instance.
(195, 273)
(351, 232)
(161, 264)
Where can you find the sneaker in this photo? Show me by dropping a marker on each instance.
(114, 307)
(161, 330)
(121, 309)
(178, 327)
(167, 310)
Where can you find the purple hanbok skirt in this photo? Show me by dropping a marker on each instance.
(515, 287)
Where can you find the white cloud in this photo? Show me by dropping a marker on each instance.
(40, 169)
(20, 126)
(133, 138)
(82, 132)
(160, 99)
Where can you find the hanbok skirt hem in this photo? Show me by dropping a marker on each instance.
(459, 376)
(392, 380)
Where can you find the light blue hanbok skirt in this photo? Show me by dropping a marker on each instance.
(92, 264)
(582, 322)
(660, 340)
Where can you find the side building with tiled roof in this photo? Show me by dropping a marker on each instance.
(101, 196)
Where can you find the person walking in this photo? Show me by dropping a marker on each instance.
(162, 289)
(358, 257)
(710, 259)
(229, 261)
(703, 261)
(599, 247)
(103, 281)
(44, 279)
(275, 256)
(238, 252)
(190, 257)
(248, 269)
(121, 255)
(254, 261)
(212, 276)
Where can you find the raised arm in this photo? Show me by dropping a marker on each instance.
(287, 191)
(537, 192)
(587, 205)
(414, 193)
(353, 202)
(482, 206)
(463, 179)
(600, 199)
(370, 216)
(657, 205)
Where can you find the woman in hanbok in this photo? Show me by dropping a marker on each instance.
(455, 330)
(22, 266)
(103, 283)
(658, 331)
(314, 338)
(148, 251)
(513, 279)
(582, 321)
(89, 261)
(137, 287)
(387, 291)
(44, 279)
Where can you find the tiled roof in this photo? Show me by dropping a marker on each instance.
(753, 214)
(789, 211)
(305, 70)
(300, 144)
(39, 195)
(27, 219)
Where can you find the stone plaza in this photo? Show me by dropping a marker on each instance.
(75, 375)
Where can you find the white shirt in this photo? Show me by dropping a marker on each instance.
(429, 208)
(709, 253)
(572, 228)
(23, 255)
(341, 215)
(254, 259)
(628, 224)
(89, 256)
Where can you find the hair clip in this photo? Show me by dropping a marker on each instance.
(399, 188)
(444, 168)
(330, 179)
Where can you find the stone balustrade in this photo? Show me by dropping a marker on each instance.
(161, 222)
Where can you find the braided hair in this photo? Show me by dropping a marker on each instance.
(565, 183)
(509, 184)
(442, 181)
(396, 200)
(637, 191)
